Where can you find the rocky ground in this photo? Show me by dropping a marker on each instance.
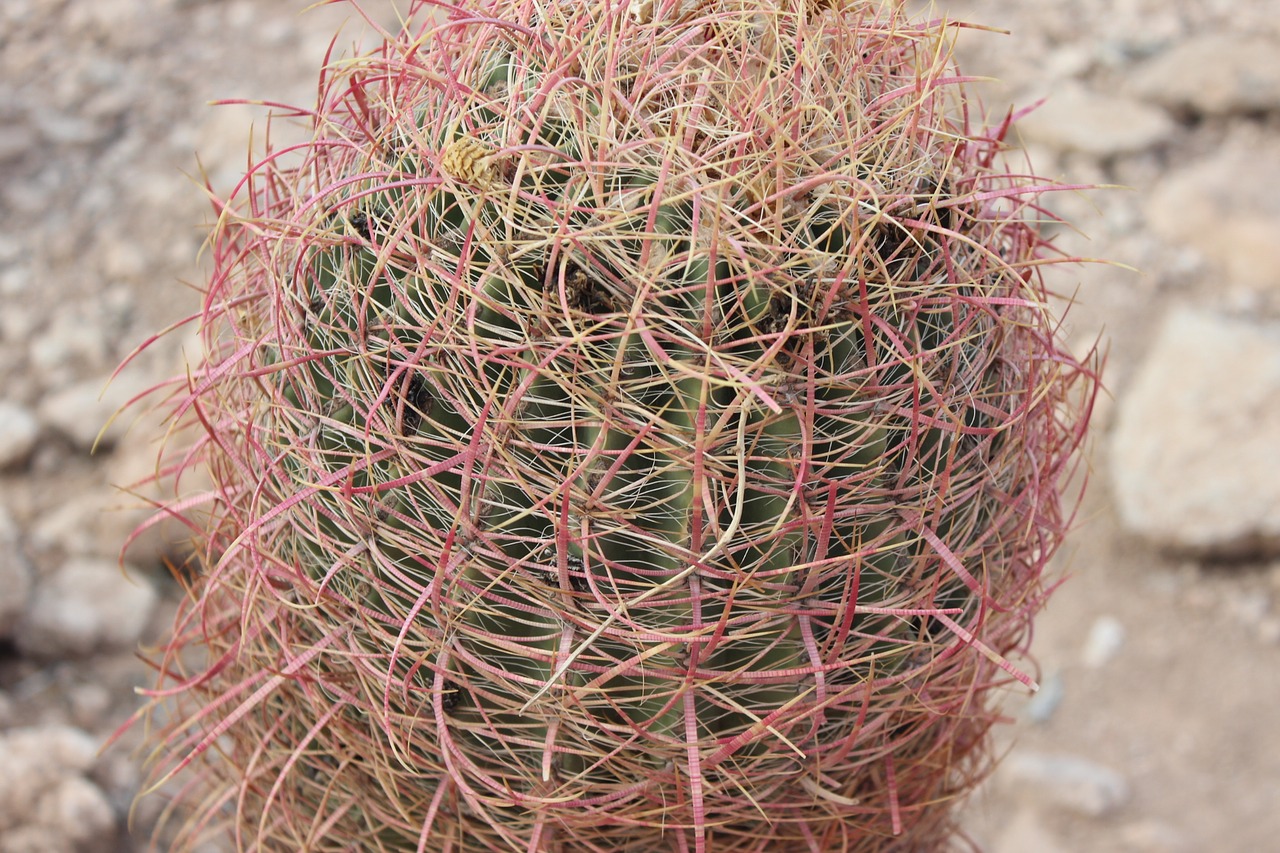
(1156, 729)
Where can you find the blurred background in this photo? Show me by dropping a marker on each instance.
(1157, 727)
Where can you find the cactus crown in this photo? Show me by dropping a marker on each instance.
(633, 427)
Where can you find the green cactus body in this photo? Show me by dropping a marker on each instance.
(633, 428)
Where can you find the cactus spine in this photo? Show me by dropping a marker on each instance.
(632, 427)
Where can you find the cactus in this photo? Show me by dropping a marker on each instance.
(632, 427)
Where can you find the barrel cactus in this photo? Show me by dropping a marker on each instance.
(632, 426)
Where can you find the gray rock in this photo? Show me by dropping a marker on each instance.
(130, 470)
(18, 323)
(82, 813)
(16, 142)
(1214, 74)
(86, 412)
(46, 802)
(11, 248)
(1068, 782)
(72, 345)
(81, 525)
(1193, 454)
(18, 432)
(35, 757)
(1076, 118)
(34, 838)
(85, 606)
(101, 519)
(89, 704)
(69, 129)
(15, 576)
(15, 281)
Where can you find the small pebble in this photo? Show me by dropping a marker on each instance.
(18, 432)
(1106, 638)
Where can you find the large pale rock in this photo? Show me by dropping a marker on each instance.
(1214, 74)
(1194, 459)
(1076, 118)
(1226, 207)
(85, 606)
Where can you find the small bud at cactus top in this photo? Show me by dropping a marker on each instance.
(469, 160)
(633, 426)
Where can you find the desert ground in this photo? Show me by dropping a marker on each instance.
(1156, 727)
